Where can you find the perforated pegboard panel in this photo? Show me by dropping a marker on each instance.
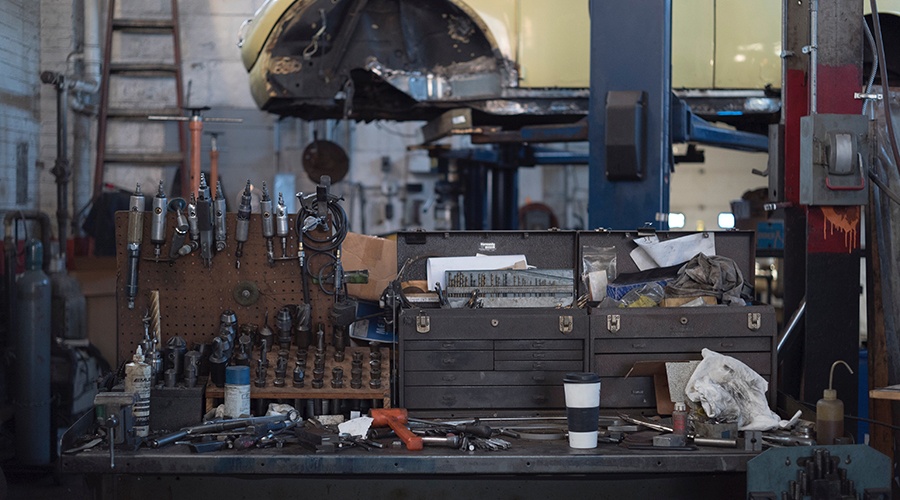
(192, 296)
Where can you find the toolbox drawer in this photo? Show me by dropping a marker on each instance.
(537, 344)
(618, 365)
(450, 345)
(696, 344)
(474, 378)
(631, 392)
(490, 358)
(480, 397)
(449, 360)
(539, 356)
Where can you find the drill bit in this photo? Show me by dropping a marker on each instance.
(158, 220)
(220, 210)
(268, 225)
(242, 225)
(135, 237)
(282, 224)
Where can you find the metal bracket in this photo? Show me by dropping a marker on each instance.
(754, 321)
(423, 323)
(613, 322)
(566, 324)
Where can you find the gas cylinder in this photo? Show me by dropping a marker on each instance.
(33, 360)
(68, 305)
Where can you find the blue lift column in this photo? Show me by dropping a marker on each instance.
(629, 130)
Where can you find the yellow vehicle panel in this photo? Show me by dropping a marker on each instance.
(693, 47)
(554, 43)
(748, 44)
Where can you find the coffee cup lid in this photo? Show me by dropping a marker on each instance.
(581, 378)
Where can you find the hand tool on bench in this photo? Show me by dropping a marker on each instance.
(396, 419)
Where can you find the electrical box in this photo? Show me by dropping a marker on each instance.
(834, 159)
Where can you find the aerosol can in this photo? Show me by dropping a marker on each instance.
(138, 379)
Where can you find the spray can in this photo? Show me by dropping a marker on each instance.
(32, 349)
(679, 419)
(138, 379)
(237, 391)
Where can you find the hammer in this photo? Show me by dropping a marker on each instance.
(396, 419)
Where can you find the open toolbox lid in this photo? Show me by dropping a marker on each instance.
(542, 249)
(736, 245)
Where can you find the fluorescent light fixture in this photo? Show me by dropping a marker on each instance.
(676, 220)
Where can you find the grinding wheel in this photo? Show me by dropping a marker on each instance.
(325, 158)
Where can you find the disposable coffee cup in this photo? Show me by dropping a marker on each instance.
(582, 408)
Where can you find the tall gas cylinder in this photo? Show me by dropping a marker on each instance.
(68, 304)
(32, 386)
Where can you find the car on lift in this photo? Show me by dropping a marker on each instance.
(511, 62)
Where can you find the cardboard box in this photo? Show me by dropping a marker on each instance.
(680, 301)
(99, 288)
(377, 255)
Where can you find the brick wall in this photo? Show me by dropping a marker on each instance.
(19, 115)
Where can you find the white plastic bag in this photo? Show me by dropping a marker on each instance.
(731, 391)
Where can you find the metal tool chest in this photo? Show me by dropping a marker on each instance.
(455, 359)
(505, 358)
(622, 337)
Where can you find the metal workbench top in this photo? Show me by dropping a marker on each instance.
(523, 457)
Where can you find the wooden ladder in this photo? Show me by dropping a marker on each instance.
(111, 114)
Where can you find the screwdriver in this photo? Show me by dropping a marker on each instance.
(482, 431)
(205, 222)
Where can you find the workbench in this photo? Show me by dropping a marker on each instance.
(529, 469)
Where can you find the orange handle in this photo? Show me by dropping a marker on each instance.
(412, 442)
(196, 129)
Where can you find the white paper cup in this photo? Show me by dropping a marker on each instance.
(582, 408)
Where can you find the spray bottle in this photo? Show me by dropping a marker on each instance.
(830, 412)
(138, 378)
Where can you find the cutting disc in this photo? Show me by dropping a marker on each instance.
(325, 158)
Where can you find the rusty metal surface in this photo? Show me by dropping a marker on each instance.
(192, 297)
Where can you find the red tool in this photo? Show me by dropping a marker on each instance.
(396, 419)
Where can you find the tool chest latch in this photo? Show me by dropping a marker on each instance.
(754, 321)
(613, 322)
(565, 324)
(423, 323)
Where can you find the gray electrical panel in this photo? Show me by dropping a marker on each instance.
(834, 159)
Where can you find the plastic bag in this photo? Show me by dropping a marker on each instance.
(649, 295)
(731, 391)
(598, 269)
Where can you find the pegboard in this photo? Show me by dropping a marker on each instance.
(192, 296)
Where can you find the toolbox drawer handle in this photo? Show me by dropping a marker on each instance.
(727, 344)
(537, 365)
(639, 345)
(448, 399)
(448, 360)
(538, 398)
(537, 344)
(449, 377)
(447, 345)
(539, 355)
(539, 378)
